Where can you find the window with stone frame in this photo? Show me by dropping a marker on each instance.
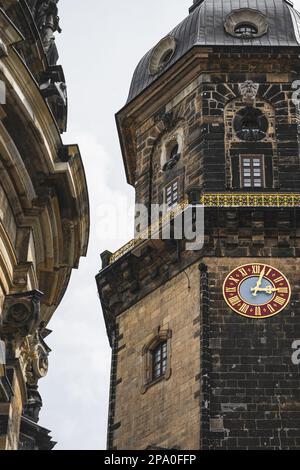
(240, 174)
(156, 359)
(252, 171)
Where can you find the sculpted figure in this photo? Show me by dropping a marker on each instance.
(47, 21)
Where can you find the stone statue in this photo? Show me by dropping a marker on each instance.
(47, 20)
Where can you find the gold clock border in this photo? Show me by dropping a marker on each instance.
(257, 317)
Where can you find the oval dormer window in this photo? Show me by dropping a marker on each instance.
(162, 54)
(246, 23)
(166, 58)
(245, 30)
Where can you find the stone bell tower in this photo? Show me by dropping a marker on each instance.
(204, 342)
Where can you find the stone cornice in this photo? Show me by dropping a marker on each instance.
(48, 196)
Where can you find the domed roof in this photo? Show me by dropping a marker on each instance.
(209, 24)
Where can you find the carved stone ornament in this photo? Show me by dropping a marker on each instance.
(40, 363)
(34, 404)
(54, 89)
(33, 357)
(21, 313)
(248, 90)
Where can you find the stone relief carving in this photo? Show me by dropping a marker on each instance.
(52, 81)
(248, 90)
(21, 314)
(24, 333)
(34, 354)
(54, 89)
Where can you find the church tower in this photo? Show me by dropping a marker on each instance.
(205, 343)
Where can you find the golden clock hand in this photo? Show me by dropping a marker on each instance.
(268, 289)
(255, 289)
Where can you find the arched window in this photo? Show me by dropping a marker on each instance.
(156, 359)
(167, 56)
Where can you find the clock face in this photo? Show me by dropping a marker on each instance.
(256, 291)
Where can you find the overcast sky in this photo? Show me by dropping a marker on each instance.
(101, 43)
(100, 46)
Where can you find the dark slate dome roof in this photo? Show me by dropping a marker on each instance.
(205, 27)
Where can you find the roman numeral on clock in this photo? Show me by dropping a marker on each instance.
(258, 311)
(234, 279)
(283, 290)
(230, 290)
(279, 300)
(279, 279)
(234, 300)
(271, 309)
(256, 269)
(243, 272)
(244, 308)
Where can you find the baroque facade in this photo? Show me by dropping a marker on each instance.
(44, 211)
(202, 340)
